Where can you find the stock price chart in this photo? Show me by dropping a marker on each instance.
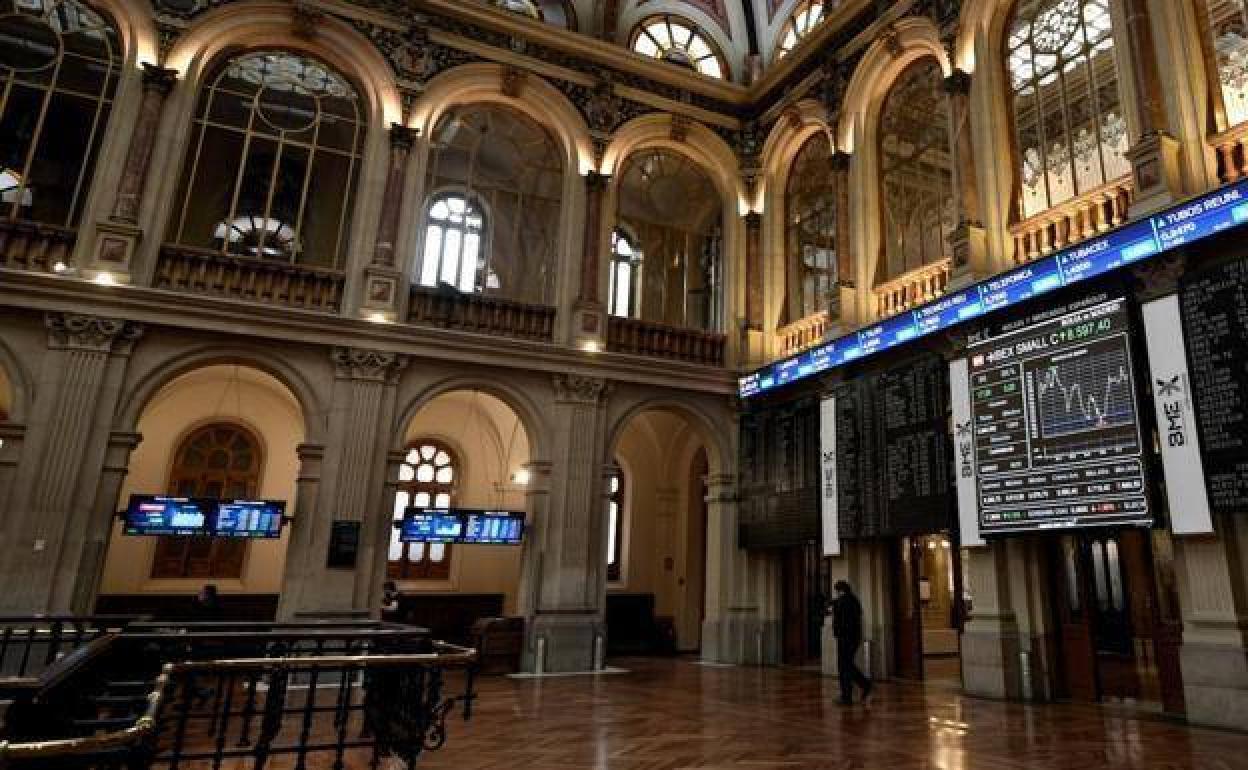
(1056, 428)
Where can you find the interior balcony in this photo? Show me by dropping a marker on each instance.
(1096, 211)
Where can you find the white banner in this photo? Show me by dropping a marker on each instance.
(1186, 495)
(827, 466)
(964, 454)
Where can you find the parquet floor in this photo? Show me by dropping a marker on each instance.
(676, 715)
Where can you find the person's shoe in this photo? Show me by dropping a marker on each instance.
(866, 692)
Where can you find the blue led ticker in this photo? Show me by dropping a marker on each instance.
(1187, 223)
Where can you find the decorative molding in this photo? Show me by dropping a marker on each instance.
(680, 128)
(578, 389)
(512, 81)
(401, 137)
(305, 20)
(370, 365)
(159, 79)
(69, 331)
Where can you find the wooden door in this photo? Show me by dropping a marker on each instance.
(1073, 617)
(907, 612)
(795, 606)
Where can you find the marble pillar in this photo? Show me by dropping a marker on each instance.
(57, 482)
(589, 323)
(968, 241)
(566, 576)
(383, 281)
(348, 480)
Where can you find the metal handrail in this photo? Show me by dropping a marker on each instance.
(146, 724)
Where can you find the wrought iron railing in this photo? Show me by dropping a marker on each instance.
(35, 246)
(200, 271)
(646, 338)
(481, 313)
(31, 643)
(243, 713)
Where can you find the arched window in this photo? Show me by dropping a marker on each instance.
(625, 276)
(273, 161)
(427, 479)
(492, 223)
(672, 39)
(221, 460)
(675, 213)
(810, 213)
(59, 66)
(1068, 115)
(615, 524)
(802, 21)
(916, 169)
(453, 246)
(1228, 27)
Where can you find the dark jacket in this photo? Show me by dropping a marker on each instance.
(847, 618)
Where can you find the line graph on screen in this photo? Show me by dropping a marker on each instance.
(1086, 393)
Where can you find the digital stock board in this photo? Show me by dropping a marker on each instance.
(1055, 424)
(1193, 221)
(462, 525)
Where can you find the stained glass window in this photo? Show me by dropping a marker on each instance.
(810, 209)
(675, 40)
(59, 67)
(427, 479)
(1068, 116)
(274, 157)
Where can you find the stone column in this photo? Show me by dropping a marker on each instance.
(968, 241)
(732, 623)
(568, 580)
(58, 477)
(351, 487)
(382, 278)
(118, 237)
(100, 525)
(590, 316)
(12, 437)
(990, 640)
(1155, 162)
(1212, 575)
(754, 271)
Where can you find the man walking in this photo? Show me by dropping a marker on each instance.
(847, 628)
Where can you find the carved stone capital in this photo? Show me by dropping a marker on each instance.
(69, 331)
(839, 161)
(579, 389)
(370, 365)
(596, 182)
(753, 220)
(158, 79)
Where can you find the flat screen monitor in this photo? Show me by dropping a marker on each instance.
(161, 515)
(249, 518)
(431, 525)
(1056, 425)
(493, 527)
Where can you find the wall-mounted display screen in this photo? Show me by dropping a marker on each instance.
(1056, 430)
(1186, 223)
(462, 525)
(161, 515)
(250, 518)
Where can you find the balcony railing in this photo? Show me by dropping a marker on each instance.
(913, 288)
(803, 333)
(34, 246)
(198, 271)
(1231, 147)
(645, 338)
(480, 313)
(1078, 219)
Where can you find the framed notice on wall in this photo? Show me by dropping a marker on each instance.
(344, 544)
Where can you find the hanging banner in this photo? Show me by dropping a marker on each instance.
(964, 454)
(1186, 494)
(827, 467)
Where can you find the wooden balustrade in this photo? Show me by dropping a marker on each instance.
(1231, 147)
(34, 246)
(646, 338)
(1078, 219)
(912, 288)
(803, 333)
(481, 313)
(198, 271)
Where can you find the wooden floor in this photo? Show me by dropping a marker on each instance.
(676, 715)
